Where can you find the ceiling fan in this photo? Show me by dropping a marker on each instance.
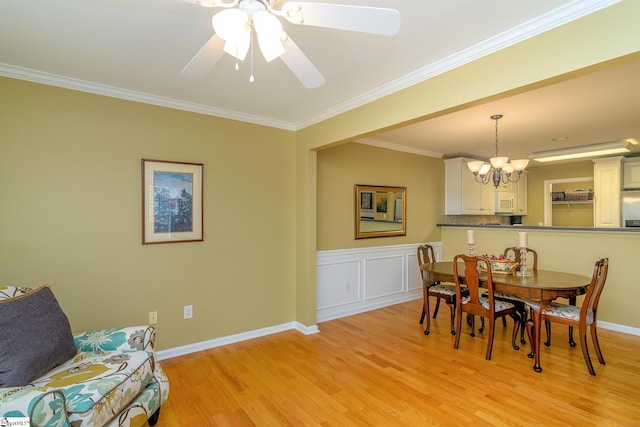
(242, 21)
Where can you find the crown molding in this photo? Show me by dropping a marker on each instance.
(396, 147)
(20, 73)
(555, 18)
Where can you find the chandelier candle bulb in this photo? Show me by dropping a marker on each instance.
(470, 237)
(523, 239)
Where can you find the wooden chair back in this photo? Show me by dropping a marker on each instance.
(514, 254)
(592, 297)
(472, 280)
(426, 254)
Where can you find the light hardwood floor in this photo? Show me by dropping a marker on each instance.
(379, 369)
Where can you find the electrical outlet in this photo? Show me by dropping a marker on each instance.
(188, 311)
(153, 317)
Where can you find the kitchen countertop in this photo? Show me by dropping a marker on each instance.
(541, 228)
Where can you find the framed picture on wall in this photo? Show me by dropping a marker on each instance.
(381, 202)
(172, 209)
(366, 200)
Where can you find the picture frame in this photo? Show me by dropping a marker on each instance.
(380, 211)
(172, 207)
(381, 202)
(366, 200)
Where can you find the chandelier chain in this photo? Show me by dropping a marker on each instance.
(496, 117)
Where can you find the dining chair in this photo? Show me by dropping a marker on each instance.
(514, 253)
(440, 290)
(476, 304)
(583, 316)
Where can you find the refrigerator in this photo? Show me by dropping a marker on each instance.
(630, 200)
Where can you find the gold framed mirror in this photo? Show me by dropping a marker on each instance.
(380, 211)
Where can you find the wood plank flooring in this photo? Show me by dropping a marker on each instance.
(379, 369)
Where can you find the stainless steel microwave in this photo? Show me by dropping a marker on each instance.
(505, 203)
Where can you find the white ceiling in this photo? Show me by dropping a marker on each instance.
(135, 49)
(601, 106)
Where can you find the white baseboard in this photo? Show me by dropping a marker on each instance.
(307, 330)
(230, 339)
(356, 309)
(619, 328)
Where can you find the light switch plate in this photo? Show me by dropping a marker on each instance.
(188, 311)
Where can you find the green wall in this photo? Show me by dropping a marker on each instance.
(71, 214)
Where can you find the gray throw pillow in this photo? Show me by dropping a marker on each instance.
(35, 338)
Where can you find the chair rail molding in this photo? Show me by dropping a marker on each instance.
(351, 281)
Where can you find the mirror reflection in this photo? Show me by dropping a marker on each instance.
(380, 211)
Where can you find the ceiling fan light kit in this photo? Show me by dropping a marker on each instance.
(499, 169)
(243, 20)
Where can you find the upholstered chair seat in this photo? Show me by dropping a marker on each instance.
(566, 311)
(499, 305)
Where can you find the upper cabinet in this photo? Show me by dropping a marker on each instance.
(521, 195)
(606, 195)
(631, 176)
(463, 195)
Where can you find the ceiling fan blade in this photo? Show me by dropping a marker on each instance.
(300, 65)
(373, 20)
(213, 3)
(205, 59)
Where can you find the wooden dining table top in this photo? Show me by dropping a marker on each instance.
(541, 285)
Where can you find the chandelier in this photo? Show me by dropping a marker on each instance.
(500, 169)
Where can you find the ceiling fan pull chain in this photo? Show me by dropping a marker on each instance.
(251, 79)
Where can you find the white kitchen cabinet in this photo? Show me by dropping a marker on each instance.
(521, 195)
(463, 195)
(510, 187)
(606, 195)
(631, 175)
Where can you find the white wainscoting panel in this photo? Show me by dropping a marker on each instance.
(383, 276)
(340, 281)
(350, 281)
(415, 278)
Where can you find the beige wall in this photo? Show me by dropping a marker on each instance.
(71, 214)
(70, 165)
(341, 168)
(572, 252)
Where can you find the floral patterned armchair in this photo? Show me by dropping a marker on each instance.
(113, 380)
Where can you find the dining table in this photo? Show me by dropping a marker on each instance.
(536, 290)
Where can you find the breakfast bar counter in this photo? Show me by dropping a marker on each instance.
(567, 249)
(543, 228)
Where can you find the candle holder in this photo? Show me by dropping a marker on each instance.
(523, 264)
(471, 249)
